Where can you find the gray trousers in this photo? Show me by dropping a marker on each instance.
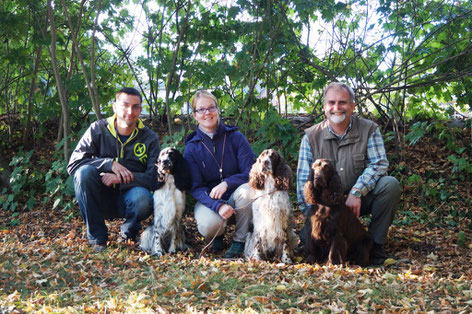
(209, 222)
(382, 203)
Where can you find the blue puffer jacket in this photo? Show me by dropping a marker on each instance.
(237, 162)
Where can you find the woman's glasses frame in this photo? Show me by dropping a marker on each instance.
(202, 111)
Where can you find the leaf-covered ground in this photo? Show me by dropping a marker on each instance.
(47, 266)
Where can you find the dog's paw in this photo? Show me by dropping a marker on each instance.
(286, 257)
(157, 253)
(286, 260)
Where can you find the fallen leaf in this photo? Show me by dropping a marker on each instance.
(389, 261)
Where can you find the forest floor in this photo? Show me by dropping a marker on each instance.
(46, 264)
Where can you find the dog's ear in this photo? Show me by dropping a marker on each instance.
(256, 179)
(309, 190)
(283, 175)
(335, 190)
(181, 172)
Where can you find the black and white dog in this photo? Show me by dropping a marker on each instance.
(166, 234)
(273, 236)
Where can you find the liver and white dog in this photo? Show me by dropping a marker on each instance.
(273, 236)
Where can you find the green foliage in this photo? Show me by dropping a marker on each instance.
(415, 53)
(417, 131)
(462, 165)
(277, 133)
(29, 181)
(176, 140)
(461, 239)
(414, 180)
(25, 182)
(59, 186)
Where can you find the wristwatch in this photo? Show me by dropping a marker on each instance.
(356, 193)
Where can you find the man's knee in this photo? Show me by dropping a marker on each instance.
(86, 174)
(141, 202)
(390, 187)
(387, 197)
(393, 185)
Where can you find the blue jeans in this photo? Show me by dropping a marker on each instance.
(98, 202)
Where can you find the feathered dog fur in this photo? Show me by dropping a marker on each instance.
(334, 234)
(273, 235)
(166, 234)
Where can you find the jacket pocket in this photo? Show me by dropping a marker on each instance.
(359, 162)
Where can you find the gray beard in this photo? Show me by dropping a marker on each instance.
(337, 119)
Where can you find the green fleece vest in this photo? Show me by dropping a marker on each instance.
(348, 155)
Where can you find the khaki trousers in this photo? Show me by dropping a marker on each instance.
(209, 222)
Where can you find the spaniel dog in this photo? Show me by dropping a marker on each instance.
(273, 235)
(166, 234)
(334, 234)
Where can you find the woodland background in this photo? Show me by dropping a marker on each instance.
(61, 62)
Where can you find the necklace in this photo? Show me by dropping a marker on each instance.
(222, 157)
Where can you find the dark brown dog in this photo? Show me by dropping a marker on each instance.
(334, 234)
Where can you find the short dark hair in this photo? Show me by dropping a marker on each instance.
(130, 91)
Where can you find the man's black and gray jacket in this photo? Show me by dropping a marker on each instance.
(100, 146)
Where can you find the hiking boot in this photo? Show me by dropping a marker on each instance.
(378, 255)
(235, 250)
(99, 247)
(218, 245)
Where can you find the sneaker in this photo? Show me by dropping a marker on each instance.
(218, 245)
(235, 250)
(378, 255)
(99, 247)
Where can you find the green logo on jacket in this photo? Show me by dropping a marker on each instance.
(140, 152)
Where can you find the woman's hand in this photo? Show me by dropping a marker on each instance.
(226, 211)
(218, 191)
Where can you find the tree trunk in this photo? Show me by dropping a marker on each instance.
(60, 88)
(174, 63)
(89, 82)
(27, 134)
(92, 61)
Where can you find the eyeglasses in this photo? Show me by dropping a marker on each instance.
(204, 110)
